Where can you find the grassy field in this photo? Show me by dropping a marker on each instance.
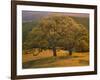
(46, 59)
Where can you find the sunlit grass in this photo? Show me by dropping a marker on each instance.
(46, 59)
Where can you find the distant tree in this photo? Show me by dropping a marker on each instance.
(59, 31)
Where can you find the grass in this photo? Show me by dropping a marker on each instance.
(46, 59)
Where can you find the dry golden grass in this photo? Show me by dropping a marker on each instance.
(46, 59)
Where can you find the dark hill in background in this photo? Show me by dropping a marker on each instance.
(26, 28)
(82, 20)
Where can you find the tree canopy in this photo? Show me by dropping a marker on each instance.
(59, 31)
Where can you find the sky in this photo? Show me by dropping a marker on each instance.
(28, 16)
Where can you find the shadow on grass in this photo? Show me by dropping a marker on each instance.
(39, 62)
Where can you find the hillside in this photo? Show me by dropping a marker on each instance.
(82, 20)
(26, 28)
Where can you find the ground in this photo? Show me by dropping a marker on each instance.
(46, 59)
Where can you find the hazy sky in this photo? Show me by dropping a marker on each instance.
(35, 15)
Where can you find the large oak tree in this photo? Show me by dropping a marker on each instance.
(61, 31)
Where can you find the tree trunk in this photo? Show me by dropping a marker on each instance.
(70, 52)
(54, 51)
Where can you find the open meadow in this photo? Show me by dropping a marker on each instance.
(46, 59)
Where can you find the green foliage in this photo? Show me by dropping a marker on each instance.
(82, 43)
(26, 28)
